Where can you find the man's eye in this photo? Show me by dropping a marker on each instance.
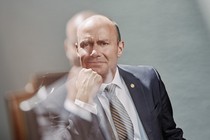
(103, 43)
(84, 44)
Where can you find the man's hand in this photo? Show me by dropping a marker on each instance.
(83, 84)
(87, 84)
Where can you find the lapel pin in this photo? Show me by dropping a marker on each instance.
(132, 85)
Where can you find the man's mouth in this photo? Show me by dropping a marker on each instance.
(95, 63)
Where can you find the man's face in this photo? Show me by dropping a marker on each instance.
(99, 49)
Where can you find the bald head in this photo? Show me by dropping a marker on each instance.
(99, 21)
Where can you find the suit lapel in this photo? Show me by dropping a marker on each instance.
(137, 93)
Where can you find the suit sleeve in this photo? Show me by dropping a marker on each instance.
(169, 129)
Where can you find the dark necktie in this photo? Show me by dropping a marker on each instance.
(122, 121)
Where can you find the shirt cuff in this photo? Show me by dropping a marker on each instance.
(78, 110)
(89, 107)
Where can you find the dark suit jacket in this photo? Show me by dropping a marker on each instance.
(150, 99)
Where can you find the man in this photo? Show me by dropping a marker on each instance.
(90, 113)
(139, 89)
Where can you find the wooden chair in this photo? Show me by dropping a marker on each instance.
(13, 99)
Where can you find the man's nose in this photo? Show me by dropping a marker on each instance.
(95, 51)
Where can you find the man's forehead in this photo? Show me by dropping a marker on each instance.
(94, 37)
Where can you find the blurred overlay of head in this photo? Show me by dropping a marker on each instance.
(71, 36)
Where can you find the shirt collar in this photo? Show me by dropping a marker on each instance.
(117, 81)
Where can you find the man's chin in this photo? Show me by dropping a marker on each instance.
(96, 69)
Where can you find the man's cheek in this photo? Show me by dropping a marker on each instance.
(82, 52)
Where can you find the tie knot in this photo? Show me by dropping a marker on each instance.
(110, 90)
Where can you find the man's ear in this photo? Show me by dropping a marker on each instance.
(76, 45)
(77, 49)
(120, 48)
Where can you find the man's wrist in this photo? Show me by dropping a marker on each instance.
(77, 109)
